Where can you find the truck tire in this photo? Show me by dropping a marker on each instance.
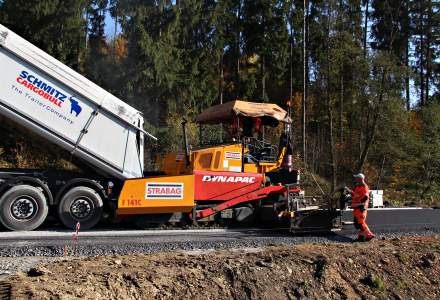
(23, 207)
(80, 204)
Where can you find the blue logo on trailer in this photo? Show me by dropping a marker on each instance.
(74, 106)
(48, 92)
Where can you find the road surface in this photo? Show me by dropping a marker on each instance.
(55, 241)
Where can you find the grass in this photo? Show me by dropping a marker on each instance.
(402, 258)
(378, 283)
(306, 283)
(401, 284)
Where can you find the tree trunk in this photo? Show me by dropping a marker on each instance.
(407, 45)
(428, 51)
(407, 86)
(221, 78)
(79, 42)
(341, 79)
(366, 27)
(421, 64)
(220, 87)
(332, 146)
(115, 32)
(305, 70)
(372, 131)
(332, 153)
(263, 79)
(86, 31)
(291, 54)
(237, 50)
(341, 108)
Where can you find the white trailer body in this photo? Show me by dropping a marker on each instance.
(48, 98)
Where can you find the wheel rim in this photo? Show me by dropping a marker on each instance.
(24, 208)
(81, 208)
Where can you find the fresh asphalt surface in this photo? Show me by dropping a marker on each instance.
(400, 219)
(385, 223)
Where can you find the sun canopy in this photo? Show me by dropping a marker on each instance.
(225, 113)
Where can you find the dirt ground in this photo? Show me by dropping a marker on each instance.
(406, 268)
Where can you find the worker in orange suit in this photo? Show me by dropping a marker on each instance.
(360, 201)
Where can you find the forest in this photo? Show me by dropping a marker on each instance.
(363, 76)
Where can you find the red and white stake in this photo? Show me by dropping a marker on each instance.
(75, 237)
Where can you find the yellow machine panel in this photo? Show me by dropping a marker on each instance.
(265, 167)
(166, 194)
(219, 158)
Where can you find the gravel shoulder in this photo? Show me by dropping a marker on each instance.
(21, 255)
(397, 268)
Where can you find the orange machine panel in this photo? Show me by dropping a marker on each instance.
(173, 164)
(157, 195)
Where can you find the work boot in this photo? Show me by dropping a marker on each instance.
(369, 237)
(359, 239)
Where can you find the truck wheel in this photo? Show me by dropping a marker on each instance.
(80, 204)
(23, 207)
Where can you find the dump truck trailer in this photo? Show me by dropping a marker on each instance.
(239, 180)
(45, 97)
(50, 99)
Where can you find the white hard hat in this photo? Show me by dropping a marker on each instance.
(359, 175)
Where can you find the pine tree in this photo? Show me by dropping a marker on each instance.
(199, 74)
(97, 55)
(266, 43)
(426, 20)
(392, 31)
(53, 25)
(153, 63)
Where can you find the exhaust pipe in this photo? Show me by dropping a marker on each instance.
(185, 142)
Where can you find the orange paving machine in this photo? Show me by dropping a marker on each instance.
(243, 180)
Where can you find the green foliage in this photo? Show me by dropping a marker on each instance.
(265, 40)
(428, 170)
(378, 283)
(402, 257)
(97, 56)
(401, 284)
(18, 151)
(55, 26)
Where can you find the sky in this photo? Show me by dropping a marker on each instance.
(110, 26)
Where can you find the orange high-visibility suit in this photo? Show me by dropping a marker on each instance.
(360, 200)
